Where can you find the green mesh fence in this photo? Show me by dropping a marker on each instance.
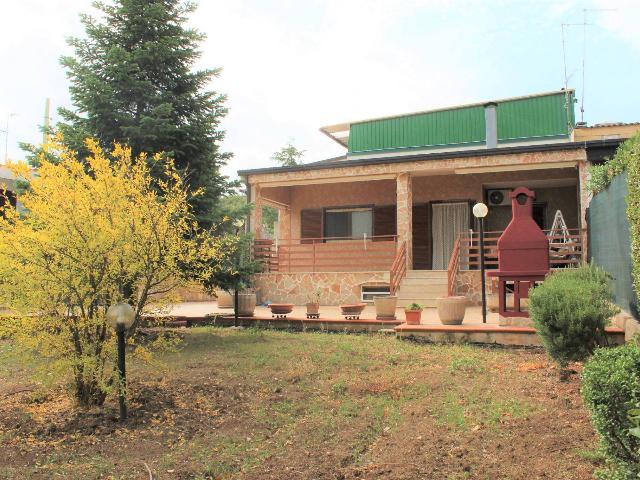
(609, 240)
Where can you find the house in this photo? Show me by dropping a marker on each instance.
(8, 187)
(394, 214)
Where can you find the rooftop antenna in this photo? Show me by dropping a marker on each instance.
(584, 50)
(583, 24)
(567, 97)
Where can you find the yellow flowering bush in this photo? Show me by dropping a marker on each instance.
(91, 233)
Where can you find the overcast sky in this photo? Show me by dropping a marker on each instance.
(292, 66)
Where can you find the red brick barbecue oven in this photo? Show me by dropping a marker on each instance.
(523, 254)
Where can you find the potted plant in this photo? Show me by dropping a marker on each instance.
(413, 313)
(233, 271)
(451, 310)
(385, 307)
(313, 304)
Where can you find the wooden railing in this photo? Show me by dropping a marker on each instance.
(564, 250)
(398, 269)
(334, 254)
(454, 266)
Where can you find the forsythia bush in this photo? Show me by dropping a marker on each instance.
(92, 233)
(611, 388)
(571, 310)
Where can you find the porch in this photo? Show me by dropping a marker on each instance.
(430, 329)
(406, 228)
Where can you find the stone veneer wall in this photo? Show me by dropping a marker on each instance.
(468, 283)
(335, 287)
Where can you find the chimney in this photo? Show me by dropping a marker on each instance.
(491, 125)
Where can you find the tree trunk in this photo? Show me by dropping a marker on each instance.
(235, 307)
(88, 393)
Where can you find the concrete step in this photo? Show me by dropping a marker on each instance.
(426, 274)
(411, 290)
(424, 281)
(425, 302)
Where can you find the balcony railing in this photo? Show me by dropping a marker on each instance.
(327, 254)
(565, 249)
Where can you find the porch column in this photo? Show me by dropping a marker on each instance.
(284, 223)
(404, 208)
(256, 213)
(584, 196)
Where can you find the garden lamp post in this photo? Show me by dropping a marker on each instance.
(480, 211)
(120, 316)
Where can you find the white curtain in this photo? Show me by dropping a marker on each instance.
(448, 221)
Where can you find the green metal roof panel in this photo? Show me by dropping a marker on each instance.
(441, 128)
(534, 117)
(538, 116)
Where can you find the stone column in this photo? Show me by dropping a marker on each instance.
(404, 210)
(584, 197)
(256, 214)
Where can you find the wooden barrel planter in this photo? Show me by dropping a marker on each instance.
(246, 304)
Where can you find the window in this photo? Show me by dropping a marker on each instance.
(368, 292)
(348, 222)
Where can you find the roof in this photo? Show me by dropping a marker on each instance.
(327, 160)
(608, 124)
(340, 131)
(340, 162)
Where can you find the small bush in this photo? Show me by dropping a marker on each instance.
(571, 309)
(611, 388)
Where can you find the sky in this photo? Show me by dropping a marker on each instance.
(290, 67)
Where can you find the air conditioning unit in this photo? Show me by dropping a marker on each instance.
(497, 198)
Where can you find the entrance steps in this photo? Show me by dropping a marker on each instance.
(423, 287)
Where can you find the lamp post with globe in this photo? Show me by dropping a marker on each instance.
(480, 211)
(120, 316)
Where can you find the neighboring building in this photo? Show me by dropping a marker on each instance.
(403, 194)
(7, 186)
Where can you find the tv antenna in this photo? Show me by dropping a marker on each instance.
(583, 24)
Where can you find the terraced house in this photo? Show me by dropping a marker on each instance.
(394, 213)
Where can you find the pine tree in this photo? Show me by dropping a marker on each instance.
(132, 81)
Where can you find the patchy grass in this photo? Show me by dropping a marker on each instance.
(256, 404)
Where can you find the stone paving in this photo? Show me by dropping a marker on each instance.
(473, 314)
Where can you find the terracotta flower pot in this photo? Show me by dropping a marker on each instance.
(353, 310)
(246, 304)
(281, 308)
(386, 307)
(225, 299)
(451, 310)
(413, 317)
(313, 308)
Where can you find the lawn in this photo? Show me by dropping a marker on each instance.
(255, 404)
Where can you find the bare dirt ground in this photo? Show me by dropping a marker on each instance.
(250, 404)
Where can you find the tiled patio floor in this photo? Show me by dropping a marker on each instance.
(473, 315)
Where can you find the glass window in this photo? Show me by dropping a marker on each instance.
(348, 222)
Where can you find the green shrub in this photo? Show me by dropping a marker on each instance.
(570, 310)
(611, 388)
(626, 159)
